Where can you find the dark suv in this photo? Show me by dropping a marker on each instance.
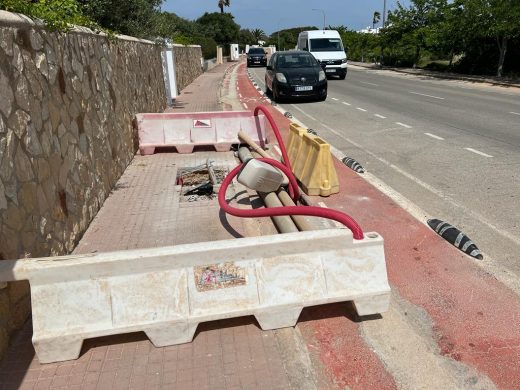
(256, 56)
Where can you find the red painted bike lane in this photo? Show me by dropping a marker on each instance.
(475, 318)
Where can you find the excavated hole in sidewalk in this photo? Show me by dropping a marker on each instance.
(190, 178)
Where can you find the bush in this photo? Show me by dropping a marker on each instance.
(56, 14)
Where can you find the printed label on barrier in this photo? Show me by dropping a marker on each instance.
(201, 123)
(217, 276)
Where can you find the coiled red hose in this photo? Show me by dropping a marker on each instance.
(293, 192)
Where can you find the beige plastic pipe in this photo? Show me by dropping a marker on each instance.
(299, 220)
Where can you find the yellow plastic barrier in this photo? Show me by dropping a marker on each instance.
(311, 161)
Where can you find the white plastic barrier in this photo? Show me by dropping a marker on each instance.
(167, 292)
(184, 131)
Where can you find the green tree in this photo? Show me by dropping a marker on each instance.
(341, 29)
(413, 25)
(130, 17)
(496, 19)
(222, 4)
(258, 35)
(221, 27)
(246, 37)
(57, 14)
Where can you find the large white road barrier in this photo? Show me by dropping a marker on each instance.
(166, 292)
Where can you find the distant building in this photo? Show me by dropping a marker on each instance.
(369, 30)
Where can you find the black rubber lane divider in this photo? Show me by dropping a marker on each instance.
(353, 164)
(455, 237)
(312, 131)
(287, 114)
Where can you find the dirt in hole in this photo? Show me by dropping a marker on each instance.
(195, 182)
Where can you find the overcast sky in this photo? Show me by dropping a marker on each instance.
(272, 15)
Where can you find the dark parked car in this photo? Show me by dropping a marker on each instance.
(295, 74)
(256, 56)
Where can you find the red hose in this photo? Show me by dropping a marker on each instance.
(276, 134)
(286, 210)
(311, 211)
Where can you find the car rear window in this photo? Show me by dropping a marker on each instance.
(296, 60)
(256, 51)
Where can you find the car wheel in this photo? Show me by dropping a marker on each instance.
(267, 90)
(342, 77)
(322, 98)
(276, 98)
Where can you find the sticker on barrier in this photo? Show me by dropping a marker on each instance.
(215, 276)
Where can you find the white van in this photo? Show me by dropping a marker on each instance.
(326, 46)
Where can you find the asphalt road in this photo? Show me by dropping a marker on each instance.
(452, 148)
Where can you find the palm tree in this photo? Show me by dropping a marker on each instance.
(375, 19)
(222, 4)
(258, 34)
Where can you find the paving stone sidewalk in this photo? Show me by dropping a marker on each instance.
(144, 210)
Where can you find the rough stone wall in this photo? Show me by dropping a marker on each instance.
(188, 64)
(67, 102)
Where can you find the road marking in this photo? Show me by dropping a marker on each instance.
(364, 82)
(240, 95)
(245, 106)
(334, 99)
(361, 109)
(304, 113)
(478, 152)
(403, 124)
(277, 149)
(346, 104)
(423, 94)
(434, 136)
(426, 186)
(380, 116)
(514, 113)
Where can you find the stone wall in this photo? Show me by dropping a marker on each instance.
(188, 64)
(67, 102)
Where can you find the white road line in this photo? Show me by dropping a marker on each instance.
(304, 113)
(335, 99)
(361, 109)
(346, 104)
(403, 124)
(433, 190)
(380, 116)
(423, 94)
(240, 95)
(245, 106)
(364, 82)
(277, 149)
(434, 136)
(478, 152)
(514, 113)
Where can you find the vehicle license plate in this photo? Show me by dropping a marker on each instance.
(330, 70)
(257, 62)
(304, 88)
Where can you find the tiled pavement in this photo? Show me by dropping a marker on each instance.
(144, 211)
